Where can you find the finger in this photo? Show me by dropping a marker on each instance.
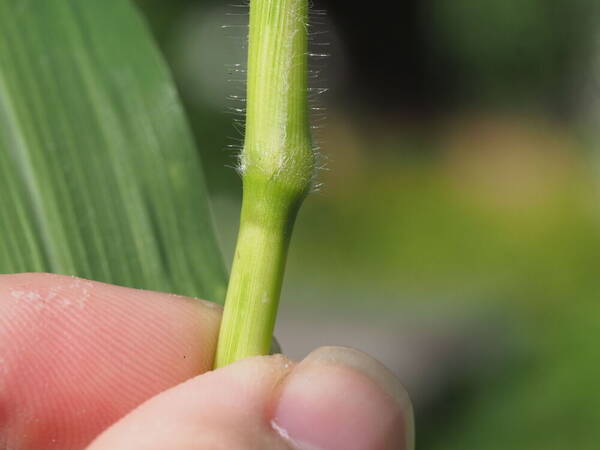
(336, 398)
(77, 355)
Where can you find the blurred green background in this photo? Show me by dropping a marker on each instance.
(457, 232)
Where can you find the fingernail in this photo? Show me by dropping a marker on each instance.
(340, 398)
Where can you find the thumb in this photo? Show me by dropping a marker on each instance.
(336, 398)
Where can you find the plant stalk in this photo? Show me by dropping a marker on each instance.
(277, 165)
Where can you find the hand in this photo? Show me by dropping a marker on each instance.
(79, 357)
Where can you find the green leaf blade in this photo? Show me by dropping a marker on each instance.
(100, 177)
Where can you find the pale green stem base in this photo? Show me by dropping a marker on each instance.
(256, 276)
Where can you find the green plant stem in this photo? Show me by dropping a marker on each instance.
(277, 165)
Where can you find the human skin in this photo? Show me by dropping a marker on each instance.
(85, 364)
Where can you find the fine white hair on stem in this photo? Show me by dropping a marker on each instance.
(318, 52)
(236, 28)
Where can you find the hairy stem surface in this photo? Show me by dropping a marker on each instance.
(277, 165)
